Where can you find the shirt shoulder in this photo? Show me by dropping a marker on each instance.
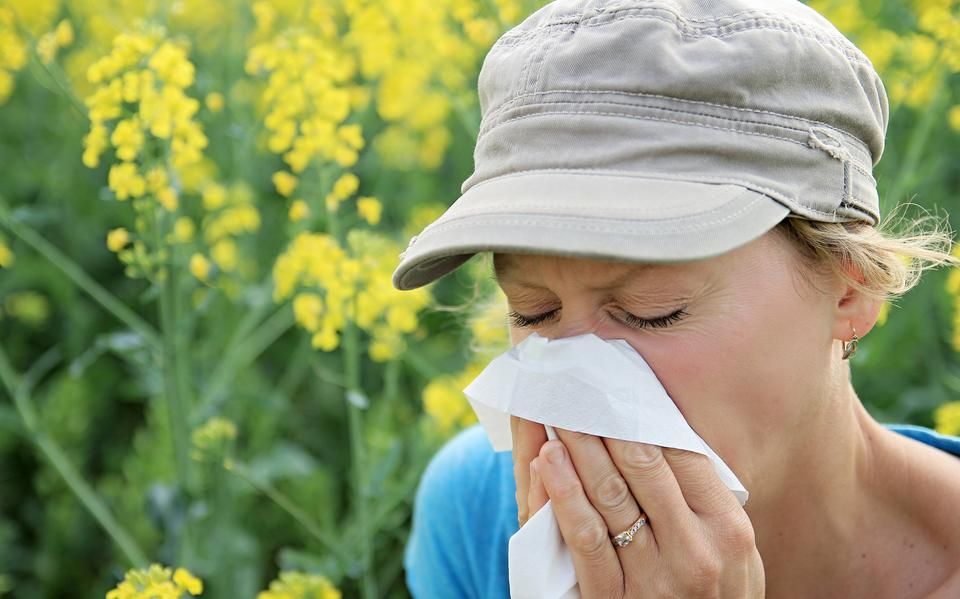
(464, 514)
(928, 436)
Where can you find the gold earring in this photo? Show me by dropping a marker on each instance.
(850, 347)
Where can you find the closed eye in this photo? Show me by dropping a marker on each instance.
(658, 322)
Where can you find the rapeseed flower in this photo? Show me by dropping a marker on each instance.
(7, 257)
(13, 51)
(156, 582)
(369, 209)
(331, 285)
(213, 440)
(117, 239)
(292, 584)
(947, 418)
(299, 210)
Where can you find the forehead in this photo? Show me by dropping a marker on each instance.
(529, 269)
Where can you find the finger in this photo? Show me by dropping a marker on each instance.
(527, 438)
(604, 485)
(699, 482)
(537, 497)
(583, 530)
(653, 484)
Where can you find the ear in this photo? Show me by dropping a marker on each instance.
(855, 310)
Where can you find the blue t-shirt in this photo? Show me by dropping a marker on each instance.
(465, 513)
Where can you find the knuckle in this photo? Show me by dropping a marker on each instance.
(736, 535)
(612, 492)
(703, 573)
(590, 539)
(641, 458)
(566, 490)
(682, 457)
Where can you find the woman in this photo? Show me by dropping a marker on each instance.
(693, 177)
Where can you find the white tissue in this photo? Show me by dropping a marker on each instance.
(585, 384)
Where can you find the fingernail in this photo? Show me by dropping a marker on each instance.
(554, 454)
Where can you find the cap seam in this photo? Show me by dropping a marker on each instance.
(848, 138)
(733, 28)
(509, 104)
(679, 122)
(773, 194)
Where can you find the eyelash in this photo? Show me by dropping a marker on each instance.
(519, 320)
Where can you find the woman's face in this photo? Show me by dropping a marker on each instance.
(740, 342)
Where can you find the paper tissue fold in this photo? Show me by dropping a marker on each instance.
(585, 384)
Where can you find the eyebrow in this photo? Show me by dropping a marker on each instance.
(504, 269)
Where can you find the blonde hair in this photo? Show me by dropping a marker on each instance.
(883, 262)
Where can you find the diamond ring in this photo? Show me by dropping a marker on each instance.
(623, 539)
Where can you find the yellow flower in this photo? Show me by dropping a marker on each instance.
(94, 143)
(292, 584)
(187, 581)
(307, 310)
(345, 186)
(167, 197)
(117, 239)
(157, 179)
(369, 209)
(200, 267)
(64, 33)
(29, 307)
(6, 255)
(214, 102)
(156, 581)
(127, 138)
(214, 196)
(445, 403)
(947, 418)
(953, 117)
(884, 313)
(284, 182)
(211, 442)
(125, 181)
(224, 253)
(171, 64)
(183, 229)
(298, 211)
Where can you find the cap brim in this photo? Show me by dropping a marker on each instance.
(589, 215)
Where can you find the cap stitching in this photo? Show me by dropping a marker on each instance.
(769, 191)
(514, 99)
(850, 138)
(652, 118)
(731, 29)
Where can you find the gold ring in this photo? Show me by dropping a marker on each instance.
(623, 539)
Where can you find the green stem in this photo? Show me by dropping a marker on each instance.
(58, 77)
(286, 504)
(176, 411)
(243, 354)
(79, 277)
(351, 348)
(56, 457)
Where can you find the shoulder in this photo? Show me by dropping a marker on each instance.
(464, 514)
(927, 436)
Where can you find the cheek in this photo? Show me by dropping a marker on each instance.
(741, 377)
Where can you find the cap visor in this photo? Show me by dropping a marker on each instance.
(589, 215)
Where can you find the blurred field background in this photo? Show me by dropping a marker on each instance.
(207, 382)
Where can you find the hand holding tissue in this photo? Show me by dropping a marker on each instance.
(585, 384)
